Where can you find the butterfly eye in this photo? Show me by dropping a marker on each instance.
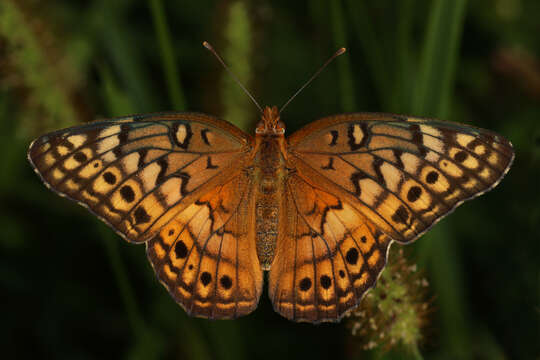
(280, 128)
(261, 128)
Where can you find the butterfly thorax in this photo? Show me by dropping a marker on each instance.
(269, 175)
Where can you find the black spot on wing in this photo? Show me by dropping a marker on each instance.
(209, 164)
(124, 134)
(225, 282)
(204, 136)
(418, 139)
(326, 281)
(305, 284)
(401, 215)
(335, 135)
(377, 163)
(461, 156)
(330, 165)
(355, 179)
(185, 180)
(352, 256)
(141, 216)
(414, 193)
(399, 162)
(80, 157)
(142, 155)
(206, 278)
(163, 166)
(432, 177)
(127, 193)
(109, 178)
(180, 250)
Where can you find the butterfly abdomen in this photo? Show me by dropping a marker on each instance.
(269, 179)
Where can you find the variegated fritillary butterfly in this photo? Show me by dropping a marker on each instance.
(216, 207)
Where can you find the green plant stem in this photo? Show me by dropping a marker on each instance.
(439, 58)
(347, 93)
(372, 51)
(120, 274)
(401, 102)
(172, 75)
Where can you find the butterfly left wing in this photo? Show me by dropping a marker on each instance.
(404, 174)
(328, 254)
(137, 173)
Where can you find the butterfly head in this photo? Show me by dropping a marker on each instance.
(270, 123)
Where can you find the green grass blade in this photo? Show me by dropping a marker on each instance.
(172, 75)
(347, 93)
(237, 54)
(372, 50)
(402, 94)
(124, 55)
(439, 56)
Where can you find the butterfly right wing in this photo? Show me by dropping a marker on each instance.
(403, 173)
(206, 256)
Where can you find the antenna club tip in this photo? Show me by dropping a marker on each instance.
(207, 45)
(341, 51)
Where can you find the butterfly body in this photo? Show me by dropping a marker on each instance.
(319, 209)
(269, 179)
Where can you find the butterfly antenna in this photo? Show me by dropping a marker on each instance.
(339, 52)
(209, 47)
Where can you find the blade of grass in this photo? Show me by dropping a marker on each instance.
(121, 45)
(237, 54)
(402, 98)
(439, 56)
(447, 282)
(172, 75)
(378, 68)
(117, 102)
(347, 93)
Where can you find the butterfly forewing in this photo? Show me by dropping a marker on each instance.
(137, 173)
(402, 173)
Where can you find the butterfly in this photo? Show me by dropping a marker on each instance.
(318, 210)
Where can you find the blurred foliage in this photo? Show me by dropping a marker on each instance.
(73, 289)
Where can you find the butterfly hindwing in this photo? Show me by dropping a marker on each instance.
(137, 173)
(403, 173)
(206, 255)
(327, 256)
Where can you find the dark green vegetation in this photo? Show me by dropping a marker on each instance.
(73, 289)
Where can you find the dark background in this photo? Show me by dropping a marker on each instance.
(71, 289)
